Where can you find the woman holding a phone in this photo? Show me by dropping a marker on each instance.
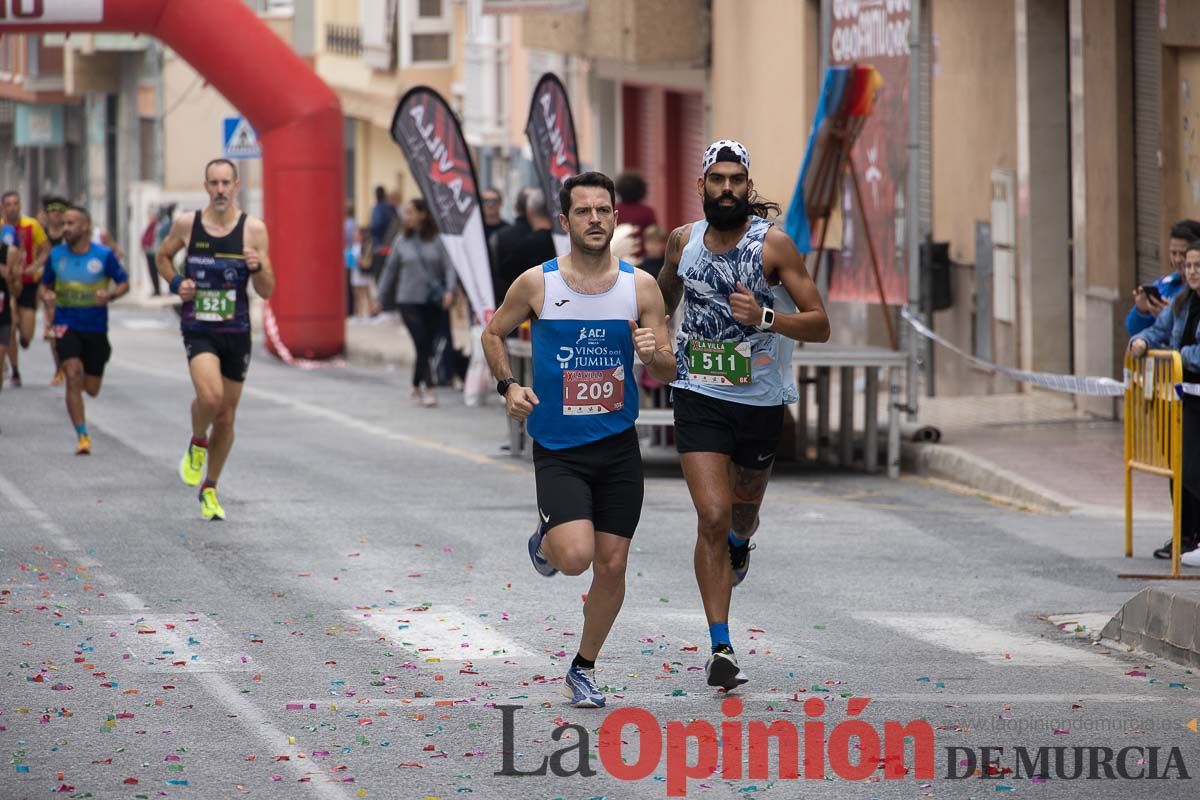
(1178, 328)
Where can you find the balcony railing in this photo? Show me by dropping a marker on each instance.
(343, 40)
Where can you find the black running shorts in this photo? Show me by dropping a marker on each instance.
(28, 296)
(233, 350)
(92, 349)
(600, 481)
(747, 434)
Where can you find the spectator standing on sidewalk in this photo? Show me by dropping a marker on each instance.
(383, 213)
(631, 191)
(654, 246)
(1176, 328)
(1145, 309)
(358, 265)
(504, 242)
(493, 223)
(148, 246)
(537, 246)
(418, 274)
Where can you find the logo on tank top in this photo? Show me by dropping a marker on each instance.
(591, 335)
(230, 274)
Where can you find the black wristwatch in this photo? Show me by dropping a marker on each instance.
(502, 386)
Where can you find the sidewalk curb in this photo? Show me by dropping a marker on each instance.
(959, 466)
(379, 345)
(1161, 620)
(954, 465)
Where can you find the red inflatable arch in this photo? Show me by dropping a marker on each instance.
(298, 120)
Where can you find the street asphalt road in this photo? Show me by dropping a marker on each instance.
(350, 629)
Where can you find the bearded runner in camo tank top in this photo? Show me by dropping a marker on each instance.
(746, 297)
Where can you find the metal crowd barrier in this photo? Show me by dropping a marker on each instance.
(1154, 440)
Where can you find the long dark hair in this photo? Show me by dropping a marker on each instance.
(1185, 297)
(428, 228)
(760, 207)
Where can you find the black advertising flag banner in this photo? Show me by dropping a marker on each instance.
(551, 132)
(432, 141)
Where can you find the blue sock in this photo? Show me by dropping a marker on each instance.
(81, 429)
(736, 540)
(719, 633)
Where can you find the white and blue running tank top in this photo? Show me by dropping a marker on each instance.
(583, 362)
(708, 280)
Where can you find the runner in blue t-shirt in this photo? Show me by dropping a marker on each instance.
(78, 283)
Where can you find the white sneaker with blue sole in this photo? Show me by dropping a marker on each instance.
(580, 686)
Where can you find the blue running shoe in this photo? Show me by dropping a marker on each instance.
(580, 686)
(543, 567)
(739, 559)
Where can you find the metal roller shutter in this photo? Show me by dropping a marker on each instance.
(692, 140)
(1147, 125)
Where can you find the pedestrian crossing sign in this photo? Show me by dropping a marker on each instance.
(239, 139)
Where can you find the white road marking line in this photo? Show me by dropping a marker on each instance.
(445, 634)
(345, 420)
(157, 643)
(991, 643)
(41, 518)
(252, 719)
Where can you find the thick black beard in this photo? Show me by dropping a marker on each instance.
(726, 219)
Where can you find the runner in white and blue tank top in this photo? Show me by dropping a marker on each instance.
(746, 298)
(583, 353)
(591, 313)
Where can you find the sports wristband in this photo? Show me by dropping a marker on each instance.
(254, 271)
(503, 386)
(768, 319)
(176, 282)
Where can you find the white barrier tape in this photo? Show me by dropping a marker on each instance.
(1071, 384)
(271, 328)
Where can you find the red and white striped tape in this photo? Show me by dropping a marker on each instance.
(271, 328)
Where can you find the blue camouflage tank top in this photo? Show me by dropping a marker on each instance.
(715, 355)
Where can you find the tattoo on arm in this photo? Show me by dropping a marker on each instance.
(669, 282)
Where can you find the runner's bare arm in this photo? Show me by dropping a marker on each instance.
(108, 295)
(669, 281)
(810, 323)
(652, 316)
(516, 307)
(164, 259)
(524, 296)
(258, 257)
(12, 269)
(40, 253)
